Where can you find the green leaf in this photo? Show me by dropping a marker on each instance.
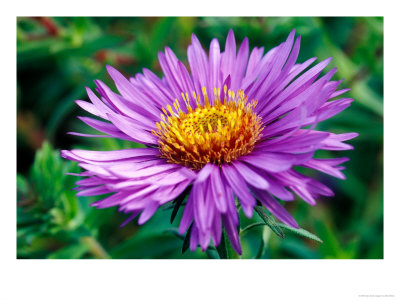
(168, 206)
(296, 248)
(178, 202)
(269, 221)
(175, 232)
(70, 252)
(221, 248)
(95, 247)
(211, 254)
(186, 241)
(301, 231)
(22, 184)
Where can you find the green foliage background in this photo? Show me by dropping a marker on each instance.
(58, 57)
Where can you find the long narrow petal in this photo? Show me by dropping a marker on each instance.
(275, 208)
(238, 185)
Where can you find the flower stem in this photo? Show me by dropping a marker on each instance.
(95, 247)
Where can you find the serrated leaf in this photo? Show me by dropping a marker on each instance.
(270, 222)
(301, 232)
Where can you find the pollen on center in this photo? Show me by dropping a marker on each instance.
(217, 133)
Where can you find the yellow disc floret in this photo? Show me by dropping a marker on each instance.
(217, 133)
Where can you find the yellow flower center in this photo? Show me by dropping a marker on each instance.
(217, 133)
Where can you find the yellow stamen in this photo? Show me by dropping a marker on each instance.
(218, 133)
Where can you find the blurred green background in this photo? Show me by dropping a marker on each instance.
(58, 57)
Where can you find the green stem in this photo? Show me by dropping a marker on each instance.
(95, 247)
(265, 235)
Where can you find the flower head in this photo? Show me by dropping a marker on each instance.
(218, 132)
(234, 127)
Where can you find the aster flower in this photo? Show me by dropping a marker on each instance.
(228, 132)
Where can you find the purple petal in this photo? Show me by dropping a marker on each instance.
(228, 57)
(218, 190)
(305, 142)
(238, 185)
(275, 162)
(215, 63)
(232, 233)
(240, 64)
(127, 171)
(204, 172)
(199, 205)
(194, 238)
(141, 116)
(148, 212)
(275, 208)
(107, 128)
(252, 177)
(327, 166)
(110, 155)
(129, 91)
(334, 141)
(129, 128)
(187, 216)
(94, 191)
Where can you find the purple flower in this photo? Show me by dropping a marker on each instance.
(234, 127)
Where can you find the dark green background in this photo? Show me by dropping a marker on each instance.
(58, 57)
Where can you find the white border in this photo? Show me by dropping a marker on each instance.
(173, 279)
